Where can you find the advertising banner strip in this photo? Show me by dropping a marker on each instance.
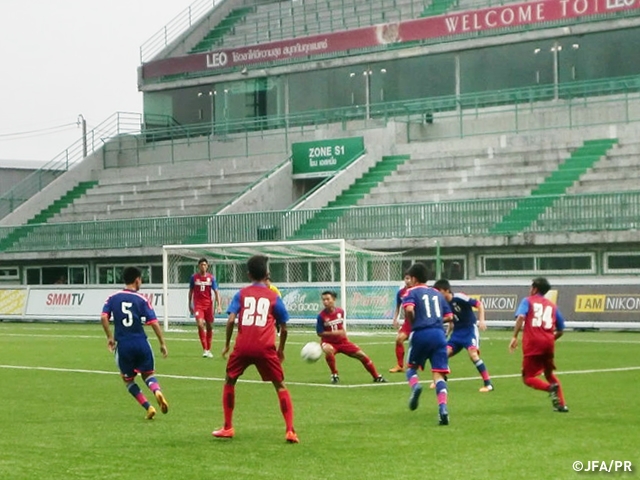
(12, 301)
(598, 304)
(441, 26)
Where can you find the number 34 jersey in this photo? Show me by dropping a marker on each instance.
(130, 311)
(258, 308)
(542, 319)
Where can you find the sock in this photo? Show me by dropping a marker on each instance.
(400, 354)
(331, 361)
(134, 390)
(537, 383)
(371, 368)
(412, 377)
(482, 369)
(228, 403)
(209, 336)
(553, 379)
(441, 392)
(286, 407)
(203, 339)
(152, 383)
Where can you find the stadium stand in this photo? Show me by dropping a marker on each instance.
(487, 155)
(198, 188)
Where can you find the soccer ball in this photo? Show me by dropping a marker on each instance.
(311, 352)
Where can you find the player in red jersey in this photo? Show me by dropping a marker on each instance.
(543, 325)
(201, 286)
(405, 329)
(258, 310)
(330, 328)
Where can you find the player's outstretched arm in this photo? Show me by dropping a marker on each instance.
(111, 343)
(218, 301)
(284, 333)
(396, 316)
(482, 324)
(409, 314)
(513, 344)
(228, 334)
(158, 331)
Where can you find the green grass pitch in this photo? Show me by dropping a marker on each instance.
(65, 414)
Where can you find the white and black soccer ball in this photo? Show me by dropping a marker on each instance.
(311, 352)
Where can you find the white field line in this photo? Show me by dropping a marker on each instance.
(566, 339)
(219, 379)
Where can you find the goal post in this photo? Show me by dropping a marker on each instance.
(366, 281)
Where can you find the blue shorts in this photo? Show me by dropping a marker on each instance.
(464, 339)
(134, 356)
(429, 344)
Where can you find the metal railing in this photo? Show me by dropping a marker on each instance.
(175, 28)
(117, 124)
(569, 213)
(472, 113)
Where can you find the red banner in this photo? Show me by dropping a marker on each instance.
(459, 23)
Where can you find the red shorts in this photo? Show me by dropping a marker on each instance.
(205, 313)
(534, 365)
(405, 328)
(347, 347)
(267, 362)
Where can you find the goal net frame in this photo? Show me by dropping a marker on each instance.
(326, 251)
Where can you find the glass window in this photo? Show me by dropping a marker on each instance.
(156, 274)
(583, 262)
(184, 272)
(278, 272)
(622, 263)
(452, 268)
(509, 264)
(413, 78)
(506, 66)
(322, 271)
(599, 55)
(77, 275)
(9, 273)
(34, 276)
(55, 275)
(323, 89)
(298, 272)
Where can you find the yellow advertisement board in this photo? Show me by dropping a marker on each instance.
(12, 302)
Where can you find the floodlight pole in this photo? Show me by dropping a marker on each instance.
(83, 123)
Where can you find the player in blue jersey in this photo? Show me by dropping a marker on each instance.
(130, 312)
(465, 326)
(426, 309)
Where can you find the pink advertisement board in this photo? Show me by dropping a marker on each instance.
(441, 26)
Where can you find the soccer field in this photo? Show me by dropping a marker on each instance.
(66, 414)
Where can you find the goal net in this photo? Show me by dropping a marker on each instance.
(366, 281)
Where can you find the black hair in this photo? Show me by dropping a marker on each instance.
(541, 284)
(257, 266)
(330, 292)
(419, 271)
(130, 274)
(442, 284)
(203, 260)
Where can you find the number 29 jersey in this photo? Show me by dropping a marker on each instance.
(258, 308)
(542, 319)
